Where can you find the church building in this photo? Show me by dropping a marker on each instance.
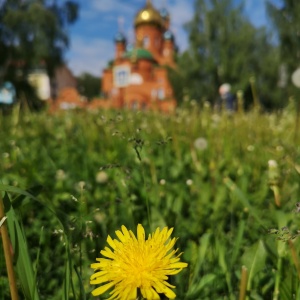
(137, 78)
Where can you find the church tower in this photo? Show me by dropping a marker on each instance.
(120, 45)
(137, 78)
(148, 26)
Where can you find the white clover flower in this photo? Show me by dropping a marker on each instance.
(200, 143)
(250, 148)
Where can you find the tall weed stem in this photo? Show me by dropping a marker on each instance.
(295, 257)
(277, 279)
(8, 255)
(243, 286)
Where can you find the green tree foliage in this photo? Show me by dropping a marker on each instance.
(89, 85)
(286, 22)
(226, 47)
(33, 32)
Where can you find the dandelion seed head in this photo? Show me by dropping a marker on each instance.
(200, 143)
(99, 217)
(216, 118)
(206, 104)
(80, 185)
(279, 148)
(101, 177)
(5, 155)
(272, 163)
(189, 182)
(162, 182)
(193, 103)
(60, 175)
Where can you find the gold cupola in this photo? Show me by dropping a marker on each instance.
(148, 15)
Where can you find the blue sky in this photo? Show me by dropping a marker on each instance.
(92, 35)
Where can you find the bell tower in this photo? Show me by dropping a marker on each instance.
(120, 41)
(148, 26)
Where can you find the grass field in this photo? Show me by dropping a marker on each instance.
(228, 184)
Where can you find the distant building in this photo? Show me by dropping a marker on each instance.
(137, 77)
(63, 78)
(64, 93)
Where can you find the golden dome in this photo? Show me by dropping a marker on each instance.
(148, 15)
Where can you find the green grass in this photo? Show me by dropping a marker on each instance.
(101, 170)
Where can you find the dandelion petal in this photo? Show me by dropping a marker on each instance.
(102, 289)
(140, 233)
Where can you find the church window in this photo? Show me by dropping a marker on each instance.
(157, 42)
(161, 94)
(166, 52)
(114, 91)
(153, 93)
(121, 76)
(134, 105)
(146, 41)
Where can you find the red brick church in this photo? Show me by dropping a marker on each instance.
(137, 78)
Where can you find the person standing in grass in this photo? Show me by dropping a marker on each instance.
(227, 99)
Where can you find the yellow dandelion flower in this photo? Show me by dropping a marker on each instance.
(135, 263)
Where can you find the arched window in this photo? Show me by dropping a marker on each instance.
(160, 93)
(166, 52)
(134, 105)
(144, 106)
(146, 41)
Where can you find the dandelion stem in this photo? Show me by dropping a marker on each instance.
(8, 256)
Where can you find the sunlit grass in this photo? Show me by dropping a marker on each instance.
(203, 173)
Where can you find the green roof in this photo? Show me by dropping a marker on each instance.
(139, 53)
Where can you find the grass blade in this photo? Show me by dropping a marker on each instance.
(21, 254)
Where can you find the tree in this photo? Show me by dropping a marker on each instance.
(89, 85)
(225, 47)
(33, 33)
(286, 22)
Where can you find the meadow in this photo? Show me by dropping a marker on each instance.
(227, 184)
